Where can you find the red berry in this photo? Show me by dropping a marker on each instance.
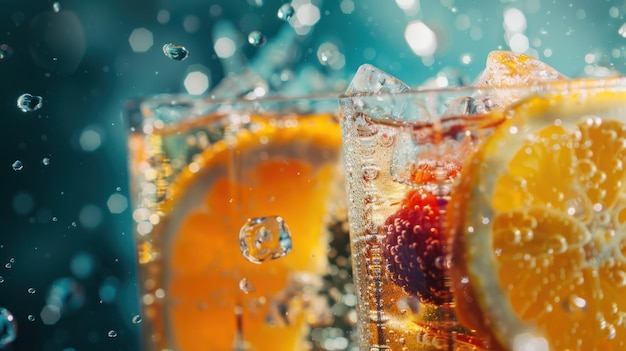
(414, 247)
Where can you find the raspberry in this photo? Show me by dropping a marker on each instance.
(414, 247)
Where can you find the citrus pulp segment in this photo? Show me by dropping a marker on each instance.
(282, 166)
(539, 226)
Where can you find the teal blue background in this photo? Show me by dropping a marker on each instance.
(88, 91)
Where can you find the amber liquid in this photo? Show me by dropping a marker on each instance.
(271, 314)
(381, 163)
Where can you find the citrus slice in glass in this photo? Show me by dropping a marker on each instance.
(215, 298)
(539, 225)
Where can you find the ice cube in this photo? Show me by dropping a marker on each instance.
(508, 76)
(512, 68)
(369, 79)
(373, 93)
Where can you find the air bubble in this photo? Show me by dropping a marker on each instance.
(28, 103)
(370, 171)
(285, 12)
(175, 52)
(245, 286)
(264, 238)
(56, 7)
(31, 290)
(45, 161)
(112, 334)
(17, 165)
(576, 306)
(8, 327)
(256, 38)
(136, 319)
(31, 318)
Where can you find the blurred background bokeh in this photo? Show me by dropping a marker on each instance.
(67, 276)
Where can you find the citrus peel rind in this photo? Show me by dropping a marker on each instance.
(539, 226)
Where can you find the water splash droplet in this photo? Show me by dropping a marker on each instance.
(5, 51)
(28, 103)
(256, 38)
(264, 238)
(285, 12)
(8, 327)
(17, 165)
(56, 7)
(326, 56)
(112, 334)
(136, 319)
(245, 286)
(175, 52)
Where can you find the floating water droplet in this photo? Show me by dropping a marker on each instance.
(175, 52)
(326, 56)
(8, 327)
(45, 161)
(28, 103)
(285, 12)
(256, 38)
(136, 319)
(17, 165)
(245, 286)
(112, 334)
(31, 290)
(265, 238)
(5, 51)
(56, 7)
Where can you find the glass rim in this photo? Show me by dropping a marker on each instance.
(208, 100)
(569, 84)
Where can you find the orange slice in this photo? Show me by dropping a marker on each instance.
(539, 226)
(282, 166)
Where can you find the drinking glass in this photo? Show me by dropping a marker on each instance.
(235, 205)
(405, 154)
